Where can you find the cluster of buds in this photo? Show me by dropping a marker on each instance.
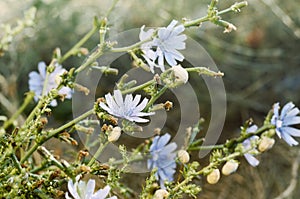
(229, 167)
(250, 147)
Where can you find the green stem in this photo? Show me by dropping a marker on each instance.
(54, 133)
(234, 8)
(75, 48)
(27, 100)
(205, 71)
(155, 97)
(209, 147)
(111, 8)
(97, 154)
(121, 161)
(30, 152)
(196, 22)
(16, 162)
(131, 47)
(140, 87)
(71, 123)
(49, 157)
(39, 168)
(92, 58)
(209, 16)
(34, 111)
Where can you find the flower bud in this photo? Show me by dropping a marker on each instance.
(114, 134)
(230, 167)
(213, 177)
(181, 75)
(160, 194)
(183, 156)
(265, 144)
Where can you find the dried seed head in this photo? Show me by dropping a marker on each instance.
(168, 105)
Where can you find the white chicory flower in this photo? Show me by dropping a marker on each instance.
(37, 81)
(128, 108)
(83, 190)
(284, 121)
(165, 46)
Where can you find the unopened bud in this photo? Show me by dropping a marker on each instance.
(82, 154)
(181, 75)
(114, 134)
(265, 144)
(161, 194)
(84, 51)
(183, 156)
(230, 167)
(213, 177)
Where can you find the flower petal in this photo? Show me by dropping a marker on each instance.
(72, 189)
(42, 69)
(90, 187)
(251, 160)
(291, 131)
(289, 139)
(163, 140)
(286, 109)
(101, 193)
(118, 97)
(291, 120)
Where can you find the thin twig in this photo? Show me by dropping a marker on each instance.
(287, 193)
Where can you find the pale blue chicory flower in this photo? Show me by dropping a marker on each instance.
(127, 109)
(37, 80)
(165, 46)
(83, 190)
(282, 122)
(163, 158)
(247, 144)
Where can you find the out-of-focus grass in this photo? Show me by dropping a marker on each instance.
(260, 61)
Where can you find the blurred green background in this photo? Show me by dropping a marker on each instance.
(260, 61)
